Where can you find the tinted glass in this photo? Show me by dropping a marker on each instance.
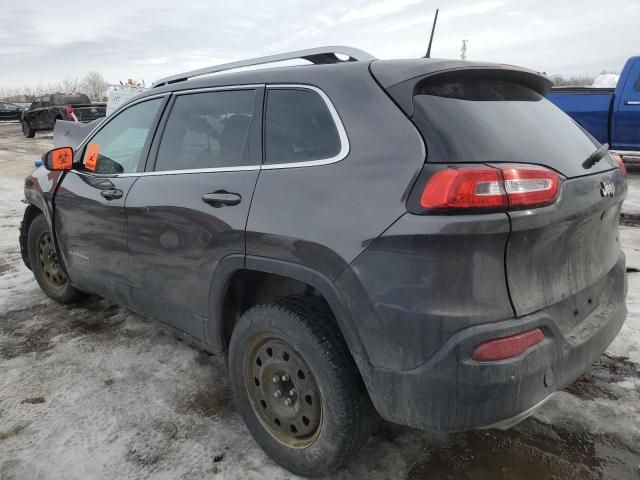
(476, 119)
(70, 99)
(207, 130)
(11, 107)
(299, 127)
(120, 143)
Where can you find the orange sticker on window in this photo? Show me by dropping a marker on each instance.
(91, 156)
(62, 158)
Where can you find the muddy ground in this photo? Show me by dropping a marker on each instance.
(94, 391)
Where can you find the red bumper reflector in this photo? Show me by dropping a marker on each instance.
(507, 347)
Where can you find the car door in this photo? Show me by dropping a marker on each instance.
(13, 111)
(89, 214)
(42, 114)
(32, 116)
(4, 113)
(189, 210)
(626, 120)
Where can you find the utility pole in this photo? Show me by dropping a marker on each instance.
(433, 29)
(463, 50)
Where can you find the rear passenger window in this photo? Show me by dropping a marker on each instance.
(299, 127)
(207, 130)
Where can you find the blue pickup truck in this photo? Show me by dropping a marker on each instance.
(611, 115)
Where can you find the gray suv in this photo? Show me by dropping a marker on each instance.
(431, 240)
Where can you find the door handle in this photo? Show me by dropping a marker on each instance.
(632, 102)
(221, 198)
(111, 194)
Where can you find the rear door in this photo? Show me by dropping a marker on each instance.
(625, 131)
(4, 113)
(13, 111)
(189, 210)
(89, 214)
(556, 252)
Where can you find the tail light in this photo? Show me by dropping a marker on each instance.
(69, 112)
(618, 159)
(488, 188)
(507, 347)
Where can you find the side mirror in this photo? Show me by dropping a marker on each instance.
(58, 159)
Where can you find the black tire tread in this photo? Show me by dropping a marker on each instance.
(350, 403)
(69, 294)
(30, 131)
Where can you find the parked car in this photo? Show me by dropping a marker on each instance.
(611, 115)
(47, 109)
(9, 111)
(429, 239)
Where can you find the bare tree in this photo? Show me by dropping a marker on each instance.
(94, 85)
(70, 84)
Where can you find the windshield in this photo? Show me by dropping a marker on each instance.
(70, 99)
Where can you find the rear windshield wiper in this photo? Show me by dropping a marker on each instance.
(596, 156)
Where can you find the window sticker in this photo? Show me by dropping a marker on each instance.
(62, 159)
(91, 157)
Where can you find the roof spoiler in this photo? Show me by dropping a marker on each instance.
(319, 55)
(400, 77)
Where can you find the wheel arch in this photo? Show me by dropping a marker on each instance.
(30, 213)
(215, 331)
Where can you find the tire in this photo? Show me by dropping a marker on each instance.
(46, 268)
(27, 131)
(296, 342)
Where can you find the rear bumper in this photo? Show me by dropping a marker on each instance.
(451, 392)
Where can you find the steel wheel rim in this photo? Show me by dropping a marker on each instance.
(283, 391)
(52, 271)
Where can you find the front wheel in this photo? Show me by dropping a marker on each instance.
(45, 265)
(297, 386)
(27, 131)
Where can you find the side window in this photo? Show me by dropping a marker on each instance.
(117, 147)
(3, 107)
(636, 87)
(299, 127)
(44, 101)
(10, 107)
(207, 130)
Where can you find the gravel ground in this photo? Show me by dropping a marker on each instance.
(94, 391)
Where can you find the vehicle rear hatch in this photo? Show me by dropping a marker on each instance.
(495, 115)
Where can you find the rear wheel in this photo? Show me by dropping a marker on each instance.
(45, 265)
(27, 131)
(297, 386)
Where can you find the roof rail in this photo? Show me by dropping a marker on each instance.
(316, 55)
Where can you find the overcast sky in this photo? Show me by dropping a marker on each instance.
(42, 41)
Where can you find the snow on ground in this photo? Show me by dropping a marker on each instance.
(94, 391)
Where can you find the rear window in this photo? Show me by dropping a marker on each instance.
(299, 127)
(70, 99)
(484, 118)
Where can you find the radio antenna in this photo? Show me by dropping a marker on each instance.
(433, 29)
